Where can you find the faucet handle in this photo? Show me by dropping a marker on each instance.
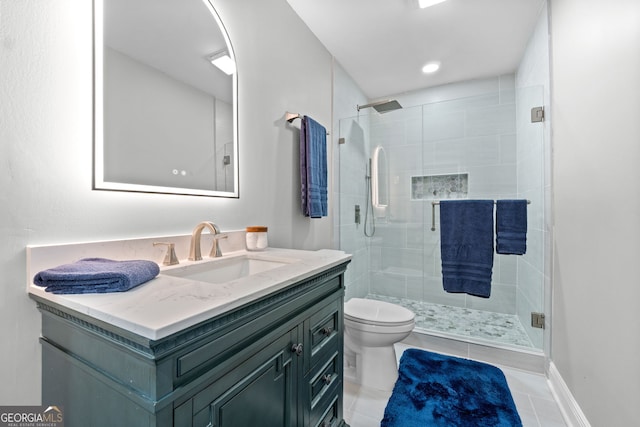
(170, 258)
(215, 249)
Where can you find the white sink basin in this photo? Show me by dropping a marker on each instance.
(223, 270)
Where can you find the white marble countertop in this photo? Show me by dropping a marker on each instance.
(167, 304)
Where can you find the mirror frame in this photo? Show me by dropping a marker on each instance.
(99, 183)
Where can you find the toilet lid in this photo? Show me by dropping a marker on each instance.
(377, 312)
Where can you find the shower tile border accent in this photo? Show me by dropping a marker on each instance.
(439, 187)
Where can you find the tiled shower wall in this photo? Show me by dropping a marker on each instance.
(473, 135)
(530, 170)
(534, 179)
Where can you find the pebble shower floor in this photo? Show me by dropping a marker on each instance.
(464, 322)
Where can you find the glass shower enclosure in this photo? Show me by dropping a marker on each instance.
(393, 166)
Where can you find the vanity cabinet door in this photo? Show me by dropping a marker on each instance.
(259, 392)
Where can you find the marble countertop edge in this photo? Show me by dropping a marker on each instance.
(166, 305)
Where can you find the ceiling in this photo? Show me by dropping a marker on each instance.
(383, 44)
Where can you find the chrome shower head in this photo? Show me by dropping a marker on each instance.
(382, 106)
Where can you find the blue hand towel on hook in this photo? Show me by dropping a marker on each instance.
(466, 243)
(313, 168)
(511, 227)
(96, 275)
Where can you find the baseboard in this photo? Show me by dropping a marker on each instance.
(570, 409)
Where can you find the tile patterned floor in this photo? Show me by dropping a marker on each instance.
(465, 322)
(364, 407)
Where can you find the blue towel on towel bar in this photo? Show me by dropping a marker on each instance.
(96, 275)
(313, 168)
(466, 243)
(511, 227)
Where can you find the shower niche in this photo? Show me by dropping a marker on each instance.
(437, 187)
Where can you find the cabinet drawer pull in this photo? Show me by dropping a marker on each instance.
(327, 331)
(327, 378)
(297, 349)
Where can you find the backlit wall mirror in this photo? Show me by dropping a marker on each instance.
(165, 115)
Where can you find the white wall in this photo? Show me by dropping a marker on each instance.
(596, 173)
(46, 148)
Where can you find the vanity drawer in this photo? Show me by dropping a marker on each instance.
(209, 354)
(324, 379)
(324, 389)
(239, 337)
(325, 327)
(331, 415)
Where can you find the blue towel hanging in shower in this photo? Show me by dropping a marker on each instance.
(511, 227)
(466, 243)
(313, 168)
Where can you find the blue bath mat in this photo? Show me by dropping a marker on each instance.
(437, 390)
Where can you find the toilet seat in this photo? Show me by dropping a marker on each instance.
(355, 326)
(377, 313)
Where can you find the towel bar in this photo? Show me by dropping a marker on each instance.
(433, 213)
(290, 117)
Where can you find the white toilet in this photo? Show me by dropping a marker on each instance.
(371, 329)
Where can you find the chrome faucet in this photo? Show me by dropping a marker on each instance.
(195, 253)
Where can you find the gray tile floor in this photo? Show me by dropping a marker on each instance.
(364, 407)
(465, 322)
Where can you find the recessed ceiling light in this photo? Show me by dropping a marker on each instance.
(431, 67)
(223, 61)
(427, 3)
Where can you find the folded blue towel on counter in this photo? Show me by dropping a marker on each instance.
(96, 275)
(313, 168)
(511, 227)
(466, 243)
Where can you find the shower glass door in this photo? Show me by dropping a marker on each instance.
(480, 147)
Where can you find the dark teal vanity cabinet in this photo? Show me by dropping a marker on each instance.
(274, 361)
